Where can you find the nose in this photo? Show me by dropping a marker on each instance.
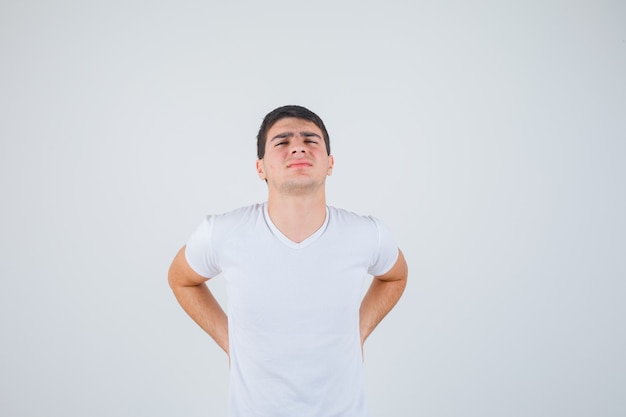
(297, 148)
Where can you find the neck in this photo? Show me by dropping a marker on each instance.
(297, 217)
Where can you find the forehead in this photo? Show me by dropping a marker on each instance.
(293, 124)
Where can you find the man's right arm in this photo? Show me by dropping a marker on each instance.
(195, 298)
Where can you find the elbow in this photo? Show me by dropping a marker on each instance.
(172, 277)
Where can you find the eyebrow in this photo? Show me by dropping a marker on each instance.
(292, 134)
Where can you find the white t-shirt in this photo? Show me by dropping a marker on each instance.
(293, 308)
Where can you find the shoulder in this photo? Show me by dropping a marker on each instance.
(228, 221)
(361, 227)
(364, 234)
(345, 217)
(241, 213)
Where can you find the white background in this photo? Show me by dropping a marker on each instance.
(489, 135)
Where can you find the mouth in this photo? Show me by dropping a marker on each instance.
(299, 164)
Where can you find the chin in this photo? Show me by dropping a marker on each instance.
(300, 187)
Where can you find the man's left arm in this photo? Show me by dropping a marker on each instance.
(382, 295)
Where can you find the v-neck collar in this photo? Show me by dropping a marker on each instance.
(288, 242)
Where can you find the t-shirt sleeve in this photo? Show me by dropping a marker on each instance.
(387, 251)
(199, 252)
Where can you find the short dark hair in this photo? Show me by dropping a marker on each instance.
(284, 112)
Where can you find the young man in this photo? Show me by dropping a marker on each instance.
(295, 268)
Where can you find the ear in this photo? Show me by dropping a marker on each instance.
(331, 163)
(259, 169)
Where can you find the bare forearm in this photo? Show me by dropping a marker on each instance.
(204, 309)
(378, 301)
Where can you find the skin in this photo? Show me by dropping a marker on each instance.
(295, 167)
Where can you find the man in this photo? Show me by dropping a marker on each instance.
(295, 268)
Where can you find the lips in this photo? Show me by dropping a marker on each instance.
(299, 164)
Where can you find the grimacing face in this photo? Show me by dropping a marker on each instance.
(296, 159)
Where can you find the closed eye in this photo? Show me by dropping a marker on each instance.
(310, 137)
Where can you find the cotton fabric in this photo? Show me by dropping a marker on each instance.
(293, 308)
